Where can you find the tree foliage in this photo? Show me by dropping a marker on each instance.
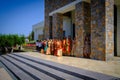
(31, 36)
(11, 40)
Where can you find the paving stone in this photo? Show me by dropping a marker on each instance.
(21, 74)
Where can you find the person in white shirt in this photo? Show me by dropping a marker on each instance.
(37, 45)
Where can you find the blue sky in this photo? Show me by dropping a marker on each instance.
(18, 16)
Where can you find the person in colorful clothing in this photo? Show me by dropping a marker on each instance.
(52, 47)
(42, 49)
(68, 47)
(64, 46)
(73, 47)
(40, 45)
(55, 47)
(37, 45)
(59, 48)
(46, 46)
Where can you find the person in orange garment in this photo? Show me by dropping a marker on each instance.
(42, 49)
(64, 46)
(46, 46)
(59, 48)
(55, 47)
(48, 49)
(73, 47)
(69, 46)
(52, 47)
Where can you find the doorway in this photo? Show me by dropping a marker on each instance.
(73, 31)
(117, 28)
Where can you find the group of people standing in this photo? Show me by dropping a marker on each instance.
(55, 47)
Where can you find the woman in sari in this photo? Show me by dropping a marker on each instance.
(59, 48)
(46, 46)
(69, 44)
(42, 49)
(52, 47)
(64, 46)
(55, 47)
(73, 47)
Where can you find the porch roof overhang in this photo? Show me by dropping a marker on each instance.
(117, 2)
(68, 7)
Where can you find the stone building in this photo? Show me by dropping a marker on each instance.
(38, 30)
(94, 24)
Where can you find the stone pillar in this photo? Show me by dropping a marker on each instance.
(82, 29)
(101, 29)
(109, 6)
(46, 28)
(57, 23)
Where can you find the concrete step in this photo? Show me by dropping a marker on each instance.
(30, 68)
(77, 72)
(16, 70)
(46, 68)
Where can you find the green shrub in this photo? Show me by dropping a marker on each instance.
(11, 40)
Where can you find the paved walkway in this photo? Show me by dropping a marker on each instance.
(26, 67)
(106, 67)
(4, 75)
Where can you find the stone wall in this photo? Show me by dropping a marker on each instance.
(57, 26)
(102, 29)
(94, 29)
(98, 29)
(82, 22)
(109, 13)
(51, 5)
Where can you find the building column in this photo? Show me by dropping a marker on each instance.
(57, 26)
(102, 32)
(82, 29)
(109, 4)
(46, 27)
